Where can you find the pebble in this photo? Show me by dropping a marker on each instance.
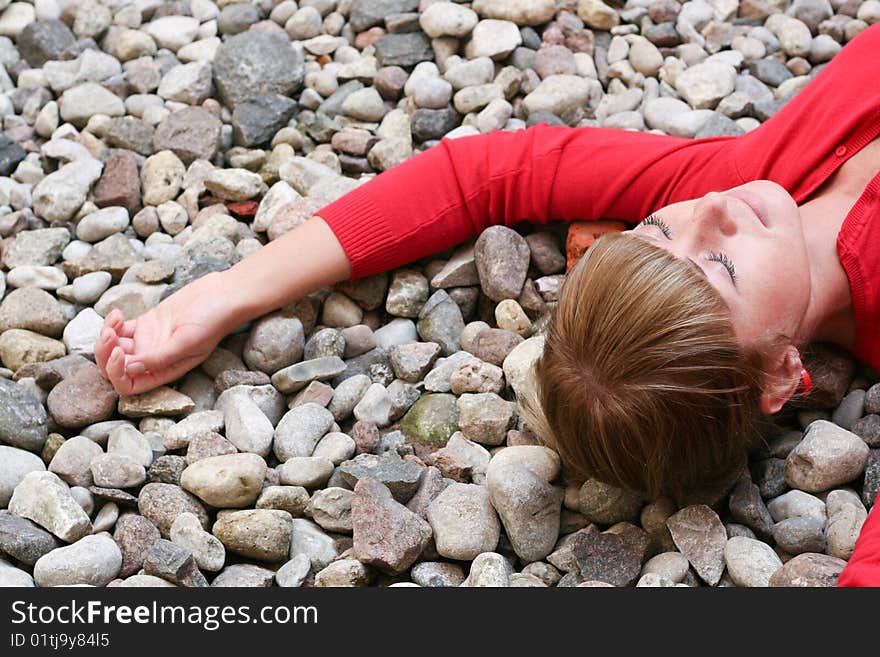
(294, 572)
(437, 574)
(135, 536)
(386, 534)
(207, 550)
(260, 534)
(46, 499)
(607, 505)
(91, 561)
(529, 508)
(812, 570)
(12, 577)
(226, 481)
(614, 556)
(244, 575)
(700, 536)
(305, 471)
(750, 562)
(247, 426)
(14, 465)
(300, 430)
(464, 522)
(23, 540)
(827, 456)
(117, 471)
(174, 564)
(162, 503)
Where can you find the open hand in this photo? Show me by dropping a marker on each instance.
(164, 343)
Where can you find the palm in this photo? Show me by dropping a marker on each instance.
(160, 345)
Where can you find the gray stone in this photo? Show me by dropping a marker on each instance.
(14, 465)
(800, 534)
(463, 521)
(300, 430)
(92, 561)
(260, 534)
(401, 477)
(226, 481)
(529, 508)
(256, 120)
(403, 49)
(254, 63)
(827, 456)
(23, 540)
(749, 562)
(174, 564)
(440, 321)
(295, 377)
(73, 459)
(191, 134)
(45, 499)
(44, 40)
(244, 575)
(502, 257)
(294, 572)
(162, 503)
(700, 536)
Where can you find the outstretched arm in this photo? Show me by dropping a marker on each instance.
(453, 191)
(182, 331)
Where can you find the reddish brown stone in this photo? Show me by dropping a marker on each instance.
(368, 37)
(493, 344)
(515, 437)
(135, 536)
(431, 484)
(582, 235)
(389, 82)
(809, 569)
(120, 183)
(366, 437)
(385, 533)
(85, 398)
(243, 208)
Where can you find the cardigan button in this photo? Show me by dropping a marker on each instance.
(841, 151)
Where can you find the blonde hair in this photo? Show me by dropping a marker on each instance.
(642, 383)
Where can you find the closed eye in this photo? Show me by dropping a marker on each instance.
(654, 220)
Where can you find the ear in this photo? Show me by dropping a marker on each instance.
(781, 381)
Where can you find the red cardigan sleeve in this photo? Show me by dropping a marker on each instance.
(449, 193)
(863, 568)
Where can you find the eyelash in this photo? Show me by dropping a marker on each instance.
(654, 220)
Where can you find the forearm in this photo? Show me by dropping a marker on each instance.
(296, 264)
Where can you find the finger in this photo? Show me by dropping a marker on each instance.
(127, 345)
(127, 327)
(116, 372)
(164, 356)
(149, 380)
(103, 348)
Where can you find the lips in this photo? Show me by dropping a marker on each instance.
(755, 203)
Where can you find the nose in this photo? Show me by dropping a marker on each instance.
(712, 216)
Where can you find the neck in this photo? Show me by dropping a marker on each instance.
(829, 316)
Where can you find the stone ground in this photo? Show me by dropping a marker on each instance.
(365, 435)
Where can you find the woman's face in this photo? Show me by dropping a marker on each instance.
(748, 242)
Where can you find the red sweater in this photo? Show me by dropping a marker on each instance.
(451, 192)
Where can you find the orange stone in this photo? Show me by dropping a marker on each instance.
(243, 208)
(582, 234)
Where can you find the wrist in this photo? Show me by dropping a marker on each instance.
(234, 304)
